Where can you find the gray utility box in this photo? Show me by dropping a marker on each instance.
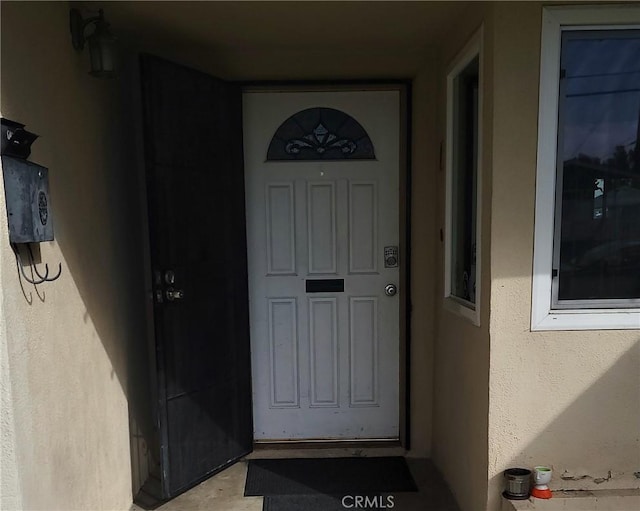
(26, 188)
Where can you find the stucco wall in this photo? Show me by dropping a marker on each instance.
(72, 362)
(67, 352)
(566, 399)
(423, 254)
(461, 358)
(10, 494)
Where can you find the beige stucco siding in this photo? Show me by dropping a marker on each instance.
(566, 399)
(73, 364)
(461, 360)
(10, 494)
(423, 246)
(66, 354)
(482, 398)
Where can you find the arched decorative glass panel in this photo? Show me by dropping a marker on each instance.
(320, 134)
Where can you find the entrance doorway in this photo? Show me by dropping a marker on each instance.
(322, 174)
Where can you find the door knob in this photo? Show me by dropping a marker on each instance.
(174, 294)
(390, 290)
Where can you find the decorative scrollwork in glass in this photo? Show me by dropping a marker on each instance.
(320, 134)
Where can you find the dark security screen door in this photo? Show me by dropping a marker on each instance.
(195, 189)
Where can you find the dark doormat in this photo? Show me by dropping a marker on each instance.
(324, 502)
(330, 476)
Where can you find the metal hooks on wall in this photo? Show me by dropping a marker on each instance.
(31, 262)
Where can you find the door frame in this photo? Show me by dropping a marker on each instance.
(403, 86)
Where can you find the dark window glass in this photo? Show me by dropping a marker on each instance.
(597, 248)
(320, 134)
(464, 183)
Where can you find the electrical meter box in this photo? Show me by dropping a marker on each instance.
(26, 188)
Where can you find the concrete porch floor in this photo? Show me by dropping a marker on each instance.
(225, 491)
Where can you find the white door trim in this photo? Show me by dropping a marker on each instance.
(404, 201)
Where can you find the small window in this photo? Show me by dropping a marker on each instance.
(587, 247)
(320, 134)
(463, 162)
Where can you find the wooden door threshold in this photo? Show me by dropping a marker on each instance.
(327, 449)
(327, 444)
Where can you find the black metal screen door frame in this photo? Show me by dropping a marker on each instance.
(195, 195)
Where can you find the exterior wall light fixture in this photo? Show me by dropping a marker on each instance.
(101, 42)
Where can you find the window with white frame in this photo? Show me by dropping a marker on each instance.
(463, 145)
(587, 235)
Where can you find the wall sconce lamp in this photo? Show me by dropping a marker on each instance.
(101, 42)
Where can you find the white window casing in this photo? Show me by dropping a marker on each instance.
(471, 311)
(543, 315)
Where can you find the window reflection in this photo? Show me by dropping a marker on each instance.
(599, 249)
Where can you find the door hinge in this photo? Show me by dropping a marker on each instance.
(440, 156)
(554, 273)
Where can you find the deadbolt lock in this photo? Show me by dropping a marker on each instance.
(391, 257)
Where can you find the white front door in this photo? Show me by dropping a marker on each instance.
(324, 335)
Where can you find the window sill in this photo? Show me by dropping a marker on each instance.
(587, 319)
(462, 308)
